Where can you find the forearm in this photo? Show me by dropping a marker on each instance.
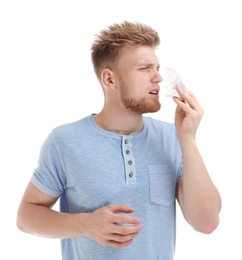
(100, 225)
(45, 222)
(201, 199)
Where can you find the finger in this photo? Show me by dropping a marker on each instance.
(121, 218)
(186, 98)
(187, 103)
(125, 220)
(182, 105)
(127, 230)
(116, 244)
(120, 208)
(123, 238)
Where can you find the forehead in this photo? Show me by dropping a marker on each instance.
(138, 55)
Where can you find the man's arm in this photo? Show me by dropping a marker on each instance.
(198, 197)
(36, 217)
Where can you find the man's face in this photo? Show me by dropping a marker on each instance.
(137, 77)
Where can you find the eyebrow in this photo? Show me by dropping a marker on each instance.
(149, 64)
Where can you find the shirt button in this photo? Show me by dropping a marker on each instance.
(130, 174)
(129, 162)
(127, 151)
(126, 141)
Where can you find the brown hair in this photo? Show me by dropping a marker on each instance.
(108, 43)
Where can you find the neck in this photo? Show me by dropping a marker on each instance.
(123, 123)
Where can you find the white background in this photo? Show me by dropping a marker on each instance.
(46, 79)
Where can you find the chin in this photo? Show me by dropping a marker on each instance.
(142, 108)
(154, 108)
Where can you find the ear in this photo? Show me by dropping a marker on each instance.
(107, 78)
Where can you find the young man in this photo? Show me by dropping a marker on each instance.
(118, 173)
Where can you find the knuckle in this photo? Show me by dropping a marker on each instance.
(126, 230)
(123, 230)
(122, 239)
(123, 219)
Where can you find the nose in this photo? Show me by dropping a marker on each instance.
(157, 77)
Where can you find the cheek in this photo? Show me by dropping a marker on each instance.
(137, 84)
(133, 85)
(134, 91)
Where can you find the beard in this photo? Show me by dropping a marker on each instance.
(139, 106)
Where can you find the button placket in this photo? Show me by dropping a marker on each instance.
(130, 171)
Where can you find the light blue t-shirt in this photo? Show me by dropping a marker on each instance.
(88, 168)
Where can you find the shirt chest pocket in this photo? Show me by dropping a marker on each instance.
(162, 181)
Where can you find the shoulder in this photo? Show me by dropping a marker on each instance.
(71, 128)
(65, 137)
(69, 132)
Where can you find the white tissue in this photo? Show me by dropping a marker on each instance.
(171, 79)
(170, 90)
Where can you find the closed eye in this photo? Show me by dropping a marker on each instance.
(149, 66)
(144, 68)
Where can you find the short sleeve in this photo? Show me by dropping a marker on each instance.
(49, 175)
